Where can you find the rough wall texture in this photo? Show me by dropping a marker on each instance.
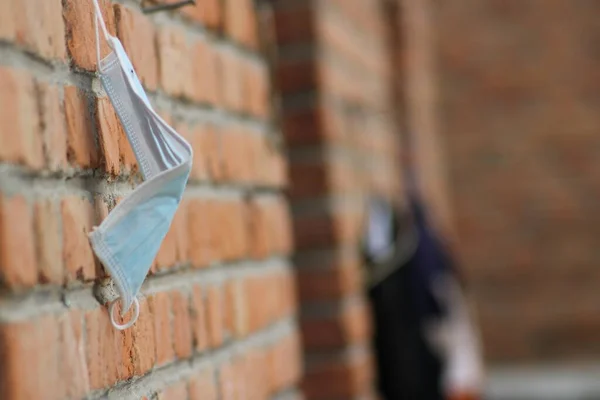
(520, 121)
(217, 311)
(335, 78)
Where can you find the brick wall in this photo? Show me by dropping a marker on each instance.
(217, 311)
(336, 83)
(520, 121)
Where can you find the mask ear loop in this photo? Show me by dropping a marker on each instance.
(136, 314)
(98, 18)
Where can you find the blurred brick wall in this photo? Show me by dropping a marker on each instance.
(217, 314)
(335, 78)
(520, 122)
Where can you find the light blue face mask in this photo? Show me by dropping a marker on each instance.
(128, 240)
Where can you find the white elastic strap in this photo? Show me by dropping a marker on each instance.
(98, 17)
(136, 314)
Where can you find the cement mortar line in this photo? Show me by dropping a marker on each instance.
(16, 180)
(161, 378)
(306, 259)
(48, 300)
(329, 206)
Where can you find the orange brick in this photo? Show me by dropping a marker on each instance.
(82, 150)
(257, 90)
(103, 353)
(109, 128)
(240, 21)
(236, 308)
(199, 321)
(20, 137)
(182, 329)
(40, 27)
(210, 13)
(231, 68)
(160, 306)
(177, 391)
(206, 72)
(214, 154)
(81, 36)
(215, 315)
(175, 63)
(229, 227)
(280, 227)
(8, 23)
(18, 266)
(202, 386)
(257, 374)
(175, 247)
(235, 152)
(143, 351)
(78, 220)
(30, 360)
(200, 233)
(54, 128)
(202, 152)
(49, 246)
(258, 229)
(136, 32)
(72, 368)
(285, 363)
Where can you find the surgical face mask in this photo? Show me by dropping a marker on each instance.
(128, 240)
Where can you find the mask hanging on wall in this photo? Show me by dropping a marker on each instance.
(128, 240)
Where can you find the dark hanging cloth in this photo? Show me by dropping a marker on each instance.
(402, 300)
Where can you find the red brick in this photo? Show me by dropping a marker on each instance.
(257, 374)
(49, 246)
(78, 220)
(230, 380)
(109, 131)
(203, 386)
(81, 36)
(200, 232)
(240, 22)
(329, 283)
(177, 391)
(30, 360)
(18, 266)
(215, 315)
(202, 152)
(160, 306)
(54, 128)
(175, 66)
(236, 314)
(210, 13)
(136, 32)
(206, 72)
(350, 326)
(199, 321)
(103, 353)
(82, 150)
(338, 378)
(182, 329)
(326, 230)
(309, 180)
(40, 27)
(175, 247)
(296, 24)
(20, 137)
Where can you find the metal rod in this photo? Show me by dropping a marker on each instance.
(166, 7)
